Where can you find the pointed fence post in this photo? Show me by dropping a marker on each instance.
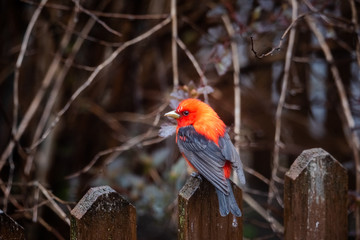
(9, 229)
(315, 197)
(103, 214)
(199, 216)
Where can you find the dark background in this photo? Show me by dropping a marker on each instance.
(122, 109)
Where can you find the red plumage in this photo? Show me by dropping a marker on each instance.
(202, 139)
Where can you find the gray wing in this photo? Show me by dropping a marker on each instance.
(229, 152)
(204, 155)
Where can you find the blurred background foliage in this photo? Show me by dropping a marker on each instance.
(109, 132)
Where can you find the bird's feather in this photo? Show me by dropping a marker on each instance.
(229, 152)
(207, 157)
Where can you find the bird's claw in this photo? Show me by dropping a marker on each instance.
(196, 175)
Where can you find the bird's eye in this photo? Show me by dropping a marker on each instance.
(185, 113)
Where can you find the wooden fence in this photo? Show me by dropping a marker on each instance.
(315, 207)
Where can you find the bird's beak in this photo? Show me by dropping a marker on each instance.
(172, 114)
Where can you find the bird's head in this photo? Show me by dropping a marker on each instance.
(199, 114)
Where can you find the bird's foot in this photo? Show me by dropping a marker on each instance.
(196, 175)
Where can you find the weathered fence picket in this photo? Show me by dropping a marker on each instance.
(103, 214)
(315, 207)
(9, 229)
(199, 216)
(315, 197)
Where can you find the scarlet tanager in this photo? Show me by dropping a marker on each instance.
(203, 141)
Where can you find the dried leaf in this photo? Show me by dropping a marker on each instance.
(167, 130)
(205, 90)
(224, 59)
(217, 11)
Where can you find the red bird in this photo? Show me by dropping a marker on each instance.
(203, 141)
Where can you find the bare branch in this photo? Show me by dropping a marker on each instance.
(102, 23)
(89, 38)
(236, 75)
(328, 18)
(59, 81)
(38, 97)
(257, 175)
(149, 137)
(9, 184)
(105, 14)
(53, 205)
(87, 83)
(19, 61)
(354, 19)
(36, 205)
(91, 78)
(114, 152)
(278, 47)
(273, 192)
(263, 212)
(174, 34)
(353, 139)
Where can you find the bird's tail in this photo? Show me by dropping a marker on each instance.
(227, 203)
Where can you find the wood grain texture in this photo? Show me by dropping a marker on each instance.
(9, 229)
(103, 214)
(315, 197)
(199, 216)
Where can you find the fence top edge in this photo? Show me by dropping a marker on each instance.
(88, 199)
(305, 158)
(6, 218)
(190, 187)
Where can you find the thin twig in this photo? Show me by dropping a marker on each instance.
(19, 207)
(52, 97)
(35, 103)
(328, 18)
(263, 212)
(36, 205)
(36, 100)
(114, 151)
(19, 61)
(273, 192)
(102, 23)
(278, 47)
(48, 227)
(131, 16)
(149, 134)
(9, 184)
(89, 38)
(11, 198)
(196, 66)
(152, 141)
(59, 80)
(350, 123)
(105, 14)
(174, 35)
(354, 19)
(53, 205)
(256, 174)
(108, 118)
(236, 75)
